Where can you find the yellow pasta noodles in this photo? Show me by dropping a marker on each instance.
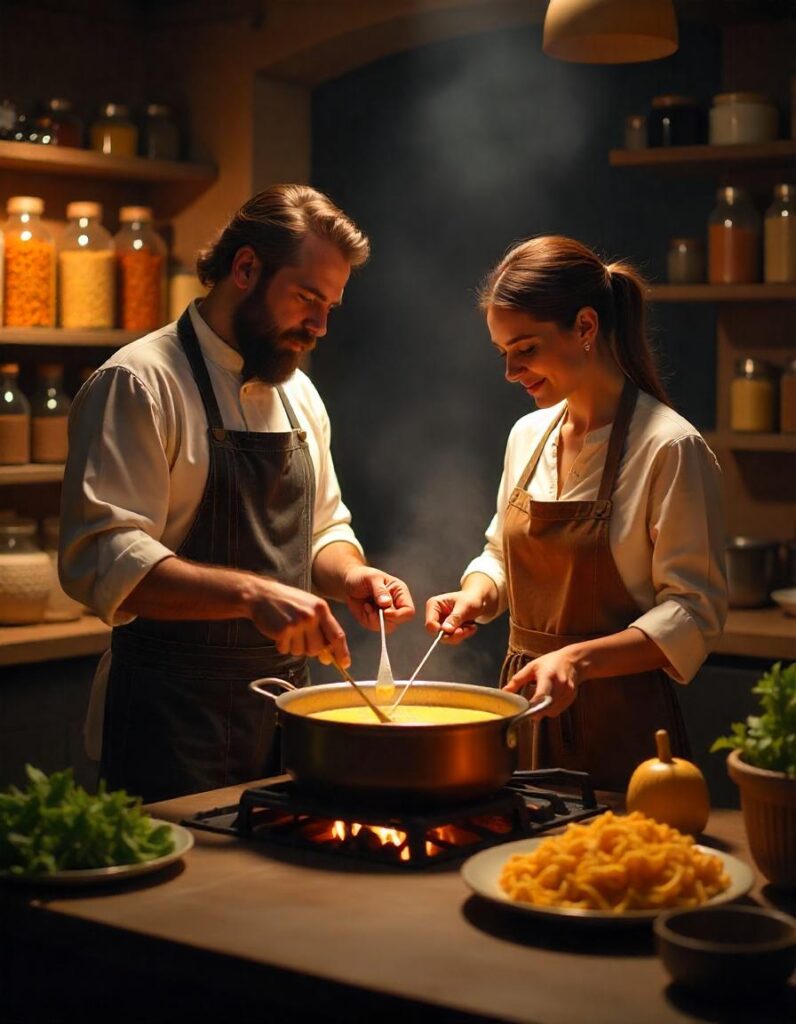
(615, 863)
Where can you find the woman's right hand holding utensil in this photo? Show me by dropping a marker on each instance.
(455, 612)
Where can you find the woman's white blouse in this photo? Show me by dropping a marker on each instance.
(666, 532)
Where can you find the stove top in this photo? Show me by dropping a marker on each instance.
(280, 812)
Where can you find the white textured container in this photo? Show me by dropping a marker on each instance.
(25, 573)
(742, 118)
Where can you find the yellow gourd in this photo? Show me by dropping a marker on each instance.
(670, 790)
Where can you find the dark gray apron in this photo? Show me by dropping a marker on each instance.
(179, 717)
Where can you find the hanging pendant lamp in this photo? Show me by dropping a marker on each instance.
(610, 31)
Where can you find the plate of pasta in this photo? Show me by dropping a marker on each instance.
(617, 869)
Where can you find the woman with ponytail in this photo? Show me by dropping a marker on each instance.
(607, 544)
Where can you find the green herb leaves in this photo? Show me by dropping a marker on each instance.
(55, 825)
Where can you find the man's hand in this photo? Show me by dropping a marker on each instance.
(555, 674)
(367, 589)
(299, 622)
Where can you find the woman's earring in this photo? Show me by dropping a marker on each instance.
(587, 346)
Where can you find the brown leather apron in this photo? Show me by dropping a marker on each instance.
(564, 587)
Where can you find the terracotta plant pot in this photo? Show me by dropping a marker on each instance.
(768, 803)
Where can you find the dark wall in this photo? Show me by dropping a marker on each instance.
(446, 155)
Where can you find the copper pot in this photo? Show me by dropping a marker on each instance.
(401, 764)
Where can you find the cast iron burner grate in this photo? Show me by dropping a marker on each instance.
(279, 812)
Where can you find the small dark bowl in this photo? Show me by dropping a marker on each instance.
(727, 950)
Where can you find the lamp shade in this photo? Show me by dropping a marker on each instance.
(610, 31)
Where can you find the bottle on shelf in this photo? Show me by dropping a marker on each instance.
(160, 138)
(14, 418)
(685, 261)
(8, 120)
(733, 239)
(87, 270)
(60, 606)
(675, 121)
(113, 133)
(752, 398)
(49, 411)
(779, 235)
(29, 262)
(58, 120)
(25, 572)
(787, 400)
(141, 256)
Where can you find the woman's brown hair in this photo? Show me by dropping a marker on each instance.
(275, 223)
(552, 277)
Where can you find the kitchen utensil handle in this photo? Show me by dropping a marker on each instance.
(382, 717)
(271, 681)
(416, 672)
(534, 709)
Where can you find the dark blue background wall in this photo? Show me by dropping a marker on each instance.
(446, 155)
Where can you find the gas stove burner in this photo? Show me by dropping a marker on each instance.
(280, 812)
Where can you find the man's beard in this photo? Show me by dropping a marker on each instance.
(260, 341)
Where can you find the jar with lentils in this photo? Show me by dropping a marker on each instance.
(29, 265)
(86, 270)
(141, 258)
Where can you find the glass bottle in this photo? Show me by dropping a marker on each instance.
(58, 120)
(86, 269)
(25, 573)
(685, 261)
(49, 406)
(141, 257)
(733, 239)
(14, 418)
(8, 120)
(29, 261)
(160, 138)
(787, 400)
(752, 397)
(779, 233)
(113, 133)
(60, 606)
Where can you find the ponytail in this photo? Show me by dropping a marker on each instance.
(628, 339)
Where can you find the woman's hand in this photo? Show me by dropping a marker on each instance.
(555, 674)
(454, 614)
(368, 589)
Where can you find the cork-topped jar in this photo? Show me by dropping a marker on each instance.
(29, 258)
(141, 256)
(25, 572)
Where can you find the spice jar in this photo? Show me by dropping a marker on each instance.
(14, 418)
(184, 287)
(25, 573)
(87, 269)
(742, 117)
(733, 239)
(160, 138)
(635, 132)
(675, 121)
(141, 256)
(685, 261)
(8, 120)
(29, 265)
(113, 133)
(779, 236)
(63, 126)
(49, 410)
(787, 399)
(752, 397)
(60, 606)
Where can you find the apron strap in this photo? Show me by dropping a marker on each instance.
(534, 459)
(291, 415)
(190, 344)
(616, 443)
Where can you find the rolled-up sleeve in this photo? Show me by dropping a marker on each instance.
(688, 574)
(115, 493)
(332, 520)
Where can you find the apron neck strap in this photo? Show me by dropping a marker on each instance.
(292, 419)
(534, 459)
(190, 344)
(616, 443)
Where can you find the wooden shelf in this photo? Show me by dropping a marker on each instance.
(45, 641)
(740, 442)
(689, 158)
(759, 633)
(86, 163)
(98, 338)
(32, 473)
(722, 293)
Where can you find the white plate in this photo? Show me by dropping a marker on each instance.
(482, 873)
(183, 841)
(786, 599)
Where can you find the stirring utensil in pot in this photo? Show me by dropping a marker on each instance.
(381, 715)
(385, 681)
(416, 672)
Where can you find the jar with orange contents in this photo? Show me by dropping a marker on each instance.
(141, 257)
(29, 265)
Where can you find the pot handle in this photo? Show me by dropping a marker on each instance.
(534, 709)
(256, 684)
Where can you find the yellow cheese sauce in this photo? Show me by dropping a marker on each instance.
(408, 714)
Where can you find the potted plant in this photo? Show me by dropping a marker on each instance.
(762, 762)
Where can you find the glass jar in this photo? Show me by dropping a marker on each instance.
(742, 117)
(60, 606)
(635, 132)
(63, 126)
(160, 138)
(685, 261)
(113, 133)
(49, 410)
(87, 270)
(184, 287)
(25, 573)
(675, 121)
(29, 260)
(787, 399)
(14, 418)
(779, 236)
(141, 257)
(752, 397)
(8, 120)
(733, 239)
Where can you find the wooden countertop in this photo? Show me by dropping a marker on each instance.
(759, 633)
(306, 926)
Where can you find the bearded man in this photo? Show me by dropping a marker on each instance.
(201, 514)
